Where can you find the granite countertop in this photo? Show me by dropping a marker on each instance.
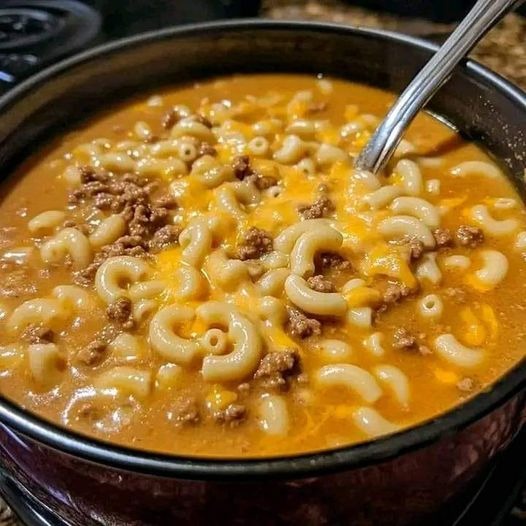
(503, 49)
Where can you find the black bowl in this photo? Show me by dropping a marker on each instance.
(392, 480)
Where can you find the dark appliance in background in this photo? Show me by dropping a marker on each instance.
(36, 33)
(128, 17)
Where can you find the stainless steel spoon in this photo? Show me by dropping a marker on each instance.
(484, 15)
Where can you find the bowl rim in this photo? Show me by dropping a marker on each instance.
(33, 426)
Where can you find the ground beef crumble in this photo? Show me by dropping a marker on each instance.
(94, 353)
(124, 246)
(165, 237)
(244, 388)
(206, 149)
(37, 334)
(322, 207)
(466, 385)
(469, 236)
(416, 249)
(241, 167)
(443, 237)
(170, 119)
(89, 174)
(300, 325)
(456, 294)
(146, 214)
(120, 311)
(393, 294)
(145, 220)
(85, 228)
(255, 244)
(165, 201)
(333, 261)
(185, 410)
(131, 196)
(233, 415)
(276, 368)
(263, 182)
(320, 284)
(405, 340)
(88, 411)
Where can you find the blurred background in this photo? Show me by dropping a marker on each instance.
(34, 33)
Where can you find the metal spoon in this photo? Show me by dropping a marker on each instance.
(484, 15)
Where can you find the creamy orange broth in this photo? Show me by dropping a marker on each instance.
(143, 409)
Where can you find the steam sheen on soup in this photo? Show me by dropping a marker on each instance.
(202, 271)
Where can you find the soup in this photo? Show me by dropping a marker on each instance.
(202, 271)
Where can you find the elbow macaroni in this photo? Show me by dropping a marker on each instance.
(223, 263)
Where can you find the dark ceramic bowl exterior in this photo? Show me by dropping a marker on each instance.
(396, 480)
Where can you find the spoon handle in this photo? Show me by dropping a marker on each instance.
(482, 17)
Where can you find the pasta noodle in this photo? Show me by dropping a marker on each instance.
(373, 344)
(352, 377)
(168, 377)
(68, 242)
(224, 272)
(417, 207)
(475, 168)
(116, 272)
(396, 380)
(402, 226)
(127, 347)
(50, 312)
(383, 196)
(274, 418)
(73, 297)
(273, 282)
(190, 283)
(46, 364)
(322, 303)
(272, 311)
(127, 380)
(372, 423)
(291, 151)
(208, 264)
(457, 261)
(429, 270)
(324, 238)
(494, 268)
(481, 215)
(286, 240)
(210, 173)
(333, 350)
(411, 176)
(164, 338)
(360, 317)
(111, 229)
(328, 155)
(452, 351)
(196, 240)
(46, 222)
(247, 346)
(430, 307)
